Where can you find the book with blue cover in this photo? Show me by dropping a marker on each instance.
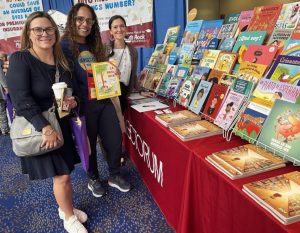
(191, 32)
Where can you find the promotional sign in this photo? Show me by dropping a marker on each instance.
(138, 15)
(13, 14)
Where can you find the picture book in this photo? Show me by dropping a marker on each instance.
(183, 116)
(264, 18)
(232, 18)
(182, 70)
(281, 130)
(107, 81)
(285, 69)
(163, 84)
(296, 33)
(227, 31)
(247, 38)
(173, 56)
(195, 129)
(162, 68)
(227, 79)
(229, 109)
(215, 76)
(157, 59)
(244, 20)
(227, 44)
(207, 38)
(245, 161)
(291, 48)
(159, 49)
(260, 54)
(279, 38)
(214, 101)
(201, 71)
(169, 47)
(191, 32)
(187, 89)
(173, 87)
(251, 71)
(186, 53)
(143, 76)
(210, 57)
(242, 86)
(279, 195)
(226, 61)
(171, 34)
(200, 96)
(152, 81)
(171, 69)
(289, 16)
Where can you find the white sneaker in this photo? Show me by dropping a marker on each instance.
(72, 225)
(81, 216)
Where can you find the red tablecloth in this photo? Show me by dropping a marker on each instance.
(192, 194)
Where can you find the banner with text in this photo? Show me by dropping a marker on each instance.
(137, 13)
(13, 14)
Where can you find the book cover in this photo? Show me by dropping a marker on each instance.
(264, 18)
(226, 61)
(107, 81)
(169, 47)
(296, 33)
(191, 32)
(281, 130)
(173, 87)
(285, 69)
(229, 109)
(200, 96)
(291, 48)
(227, 44)
(186, 54)
(244, 20)
(247, 160)
(163, 84)
(247, 38)
(279, 38)
(201, 71)
(210, 57)
(242, 86)
(215, 76)
(182, 70)
(227, 79)
(227, 31)
(260, 54)
(232, 18)
(280, 195)
(171, 34)
(251, 71)
(289, 16)
(187, 89)
(169, 119)
(152, 81)
(159, 49)
(173, 56)
(214, 101)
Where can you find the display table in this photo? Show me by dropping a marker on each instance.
(192, 194)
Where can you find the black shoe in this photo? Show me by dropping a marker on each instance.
(96, 188)
(119, 182)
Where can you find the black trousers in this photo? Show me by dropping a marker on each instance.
(102, 120)
(123, 97)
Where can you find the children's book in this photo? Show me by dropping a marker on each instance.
(245, 161)
(251, 71)
(159, 49)
(247, 38)
(163, 84)
(232, 18)
(186, 54)
(227, 44)
(169, 47)
(200, 96)
(215, 76)
(173, 87)
(226, 61)
(171, 35)
(183, 116)
(279, 195)
(191, 32)
(264, 18)
(152, 81)
(210, 57)
(171, 69)
(194, 130)
(227, 79)
(227, 31)
(187, 89)
(244, 20)
(214, 101)
(281, 131)
(285, 69)
(201, 71)
(182, 70)
(296, 33)
(107, 81)
(260, 54)
(289, 16)
(291, 48)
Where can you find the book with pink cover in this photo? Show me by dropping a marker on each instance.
(244, 20)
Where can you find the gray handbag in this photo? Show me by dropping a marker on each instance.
(26, 141)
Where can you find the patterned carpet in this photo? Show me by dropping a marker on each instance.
(30, 207)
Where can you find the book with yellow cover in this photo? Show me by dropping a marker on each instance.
(245, 161)
(107, 80)
(195, 129)
(280, 195)
(178, 117)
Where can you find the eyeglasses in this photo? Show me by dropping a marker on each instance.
(81, 20)
(38, 31)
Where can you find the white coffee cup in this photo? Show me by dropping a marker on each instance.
(59, 89)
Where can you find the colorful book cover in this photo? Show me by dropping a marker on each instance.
(226, 61)
(107, 81)
(244, 20)
(169, 47)
(296, 33)
(286, 69)
(187, 89)
(251, 71)
(201, 71)
(227, 79)
(159, 49)
(232, 18)
(210, 57)
(171, 69)
(191, 32)
(279, 38)
(260, 54)
(163, 84)
(186, 54)
(264, 18)
(214, 101)
(169, 119)
(182, 70)
(173, 56)
(247, 38)
(152, 81)
(229, 109)
(289, 16)
(279, 195)
(207, 38)
(215, 76)
(200, 96)
(281, 131)
(171, 35)
(162, 68)
(242, 86)
(227, 31)
(291, 48)
(174, 86)
(227, 44)
(143, 76)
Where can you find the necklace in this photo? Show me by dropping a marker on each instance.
(121, 56)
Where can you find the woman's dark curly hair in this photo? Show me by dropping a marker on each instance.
(93, 40)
